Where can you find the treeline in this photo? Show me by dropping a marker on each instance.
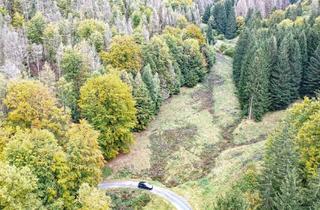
(221, 18)
(290, 176)
(277, 61)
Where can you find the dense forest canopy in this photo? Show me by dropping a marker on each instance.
(79, 77)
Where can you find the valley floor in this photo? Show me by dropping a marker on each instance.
(198, 145)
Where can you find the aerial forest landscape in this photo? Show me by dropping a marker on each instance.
(160, 104)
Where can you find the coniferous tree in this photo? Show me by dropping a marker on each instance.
(153, 85)
(210, 37)
(207, 14)
(280, 81)
(243, 81)
(311, 82)
(295, 67)
(231, 22)
(304, 60)
(257, 88)
(220, 17)
(143, 104)
(240, 52)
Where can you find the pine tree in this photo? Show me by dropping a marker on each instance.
(311, 82)
(144, 103)
(240, 52)
(231, 22)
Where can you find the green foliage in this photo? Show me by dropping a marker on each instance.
(92, 30)
(231, 22)
(35, 28)
(17, 20)
(75, 72)
(210, 55)
(291, 161)
(311, 82)
(18, 188)
(124, 54)
(207, 14)
(128, 199)
(192, 31)
(240, 51)
(220, 17)
(83, 155)
(39, 151)
(153, 86)
(224, 18)
(193, 69)
(256, 86)
(157, 54)
(92, 198)
(89, 26)
(144, 103)
(31, 105)
(51, 41)
(286, 77)
(106, 102)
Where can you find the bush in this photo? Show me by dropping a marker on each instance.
(210, 55)
(229, 52)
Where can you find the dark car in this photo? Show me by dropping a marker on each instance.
(145, 186)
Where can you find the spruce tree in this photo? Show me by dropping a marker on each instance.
(210, 37)
(304, 60)
(244, 74)
(295, 67)
(312, 75)
(144, 103)
(231, 22)
(257, 88)
(207, 14)
(220, 17)
(280, 79)
(153, 86)
(280, 158)
(240, 52)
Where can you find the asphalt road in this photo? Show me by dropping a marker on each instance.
(177, 201)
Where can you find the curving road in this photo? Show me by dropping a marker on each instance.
(177, 201)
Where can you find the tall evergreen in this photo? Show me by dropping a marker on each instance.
(143, 104)
(312, 75)
(153, 86)
(206, 14)
(280, 164)
(295, 63)
(220, 17)
(210, 37)
(240, 52)
(231, 22)
(304, 60)
(244, 74)
(257, 88)
(280, 79)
